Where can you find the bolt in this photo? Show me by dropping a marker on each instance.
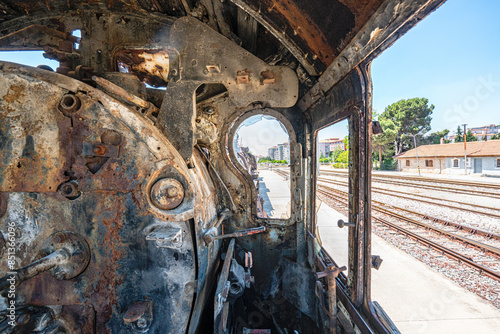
(59, 274)
(141, 323)
(189, 287)
(69, 190)
(172, 192)
(99, 150)
(167, 194)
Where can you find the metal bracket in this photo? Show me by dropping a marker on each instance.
(205, 56)
(166, 236)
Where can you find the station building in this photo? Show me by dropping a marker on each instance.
(483, 157)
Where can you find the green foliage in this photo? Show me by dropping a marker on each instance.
(340, 165)
(343, 157)
(411, 117)
(386, 164)
(497, 136)
(460, 136)
(268, 159)
(470, 136)
(324, 160)
(321, 156)
(382, 143)
(346, 142)
(435, 137)
(335, 153)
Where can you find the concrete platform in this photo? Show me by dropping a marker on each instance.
(275, 191)
(417, 298)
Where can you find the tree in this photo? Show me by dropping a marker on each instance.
(335, 153)
(470, 136)
(343, 157)
(381, 141)
(411, 117)
(435, 137)
(346, 142)
(459, 138)
(497, 136)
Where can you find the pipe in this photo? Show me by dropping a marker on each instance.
(117, 90)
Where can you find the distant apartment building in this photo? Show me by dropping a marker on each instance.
(325, 146)
(480, 132)
(486, 131)
(279, 152)
(271, 152)
(283, 152)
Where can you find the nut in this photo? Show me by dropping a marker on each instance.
(69, 104)
(167, 194)
(99, 150)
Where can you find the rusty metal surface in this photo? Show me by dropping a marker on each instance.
(151, 66)
(390, 21)
(113, 213)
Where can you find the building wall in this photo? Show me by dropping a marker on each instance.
(324, 147)
(271, 152)
(438, 165)
(450, 169)
(488, 166)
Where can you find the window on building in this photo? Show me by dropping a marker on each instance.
(498, 163)
(429, 163)
(455, 163)
(407, 163)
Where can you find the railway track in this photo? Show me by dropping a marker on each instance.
(430, 199)
(342, 197)
(421, 198)
(433, 181)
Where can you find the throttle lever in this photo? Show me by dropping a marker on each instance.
(66, 256)
(209, 238)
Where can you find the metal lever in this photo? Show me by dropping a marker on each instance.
(342, 223)
(331, 274)
(66, 256)
(209, 238)
(212, 229)
(16, 277)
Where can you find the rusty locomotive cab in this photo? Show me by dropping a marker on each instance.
(126, 207)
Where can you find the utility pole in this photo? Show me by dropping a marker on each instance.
(465, 148)
(416, 153)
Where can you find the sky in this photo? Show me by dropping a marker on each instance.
(450, 58)
(260, 134)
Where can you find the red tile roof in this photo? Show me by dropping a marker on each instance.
(490, 148)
